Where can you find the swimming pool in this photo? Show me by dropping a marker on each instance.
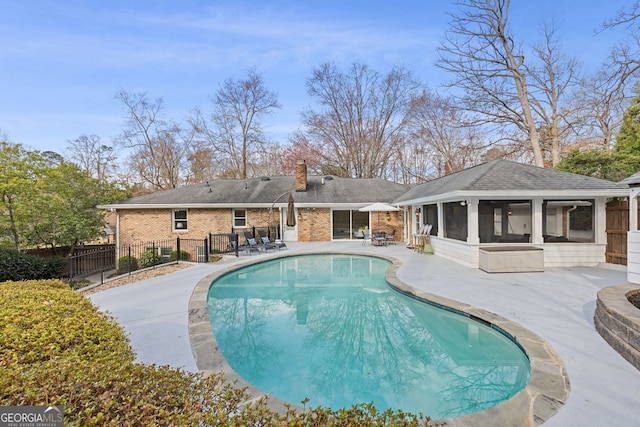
(329, 328)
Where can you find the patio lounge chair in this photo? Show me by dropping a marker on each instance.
(278, 244)
(233, 242)
(253, 245)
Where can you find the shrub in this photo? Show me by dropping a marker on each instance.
(41, 320)
(127, 264)
(52, 267)
(15, 265)
(58, 349)
(149, 258)
(184, 256)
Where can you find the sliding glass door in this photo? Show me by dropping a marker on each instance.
(348, 224)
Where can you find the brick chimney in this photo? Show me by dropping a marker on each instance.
(301, 175)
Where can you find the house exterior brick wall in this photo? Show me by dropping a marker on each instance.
(145, 225)
(314, 224)
(394, 223)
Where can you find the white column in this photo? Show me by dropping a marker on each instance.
(600, 220)
(472, 222)
(440, 219)
(633, 209)
(537, 219)
(633, 239)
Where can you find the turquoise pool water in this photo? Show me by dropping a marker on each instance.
(329, 328)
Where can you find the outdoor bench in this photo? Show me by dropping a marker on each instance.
(511, 259)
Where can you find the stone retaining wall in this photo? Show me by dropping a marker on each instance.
(618, 321)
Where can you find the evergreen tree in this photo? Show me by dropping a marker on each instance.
(50, 203)
(628, 139)
(622, 162)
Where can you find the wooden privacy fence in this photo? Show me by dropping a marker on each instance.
(617, 228)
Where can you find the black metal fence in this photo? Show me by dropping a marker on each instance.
(92, 261)
(224, 243)
(124, 259)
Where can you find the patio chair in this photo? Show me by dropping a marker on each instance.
(379, 238)
(252, 245)
(278, 244)
(366, 236)
(391, 238)
(421, 238)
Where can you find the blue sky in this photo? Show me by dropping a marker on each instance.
(63, 61)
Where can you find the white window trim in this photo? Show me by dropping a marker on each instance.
(174, 221)
(236, 217)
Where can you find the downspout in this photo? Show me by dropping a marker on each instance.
(569, 220)
(633, 208)
(117, 242)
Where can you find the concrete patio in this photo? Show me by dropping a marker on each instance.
(558, 305)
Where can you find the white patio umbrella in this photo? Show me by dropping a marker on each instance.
(379, 207)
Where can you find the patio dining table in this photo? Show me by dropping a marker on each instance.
(379, 238)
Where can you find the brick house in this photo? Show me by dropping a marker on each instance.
(559, 217)
(326, 208)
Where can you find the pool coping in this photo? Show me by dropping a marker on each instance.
(543, 397)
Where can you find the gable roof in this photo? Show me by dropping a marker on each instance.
(633, 180)
(511, 178)
(263, 191)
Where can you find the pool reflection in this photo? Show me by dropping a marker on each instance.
(329, 328)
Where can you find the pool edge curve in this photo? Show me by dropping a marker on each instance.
(542, 397)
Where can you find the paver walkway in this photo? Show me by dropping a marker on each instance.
(557, 305)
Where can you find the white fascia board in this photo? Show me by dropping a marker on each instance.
(445, 197)
(515, 195)
(231, 205)
(129, 206)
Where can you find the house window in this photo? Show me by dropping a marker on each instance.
(180, 220)
(240, 218)
(455, 221)
(568, 221)
(504, 221)
(431, 217)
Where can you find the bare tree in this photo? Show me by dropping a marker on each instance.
(4, 136)
(626, 55)
(160, 150)
(444, 132)
(301, 148)
(481, 53)
(553, 78)
(234, 130)
(603, 101)
(98, 159)
(363, 116)
(202, 165)
(267, 160)
(412, 163)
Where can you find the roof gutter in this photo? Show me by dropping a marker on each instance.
(514, 195)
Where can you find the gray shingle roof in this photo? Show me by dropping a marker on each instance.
(504, 175)
(633, 180)
(321, 190)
